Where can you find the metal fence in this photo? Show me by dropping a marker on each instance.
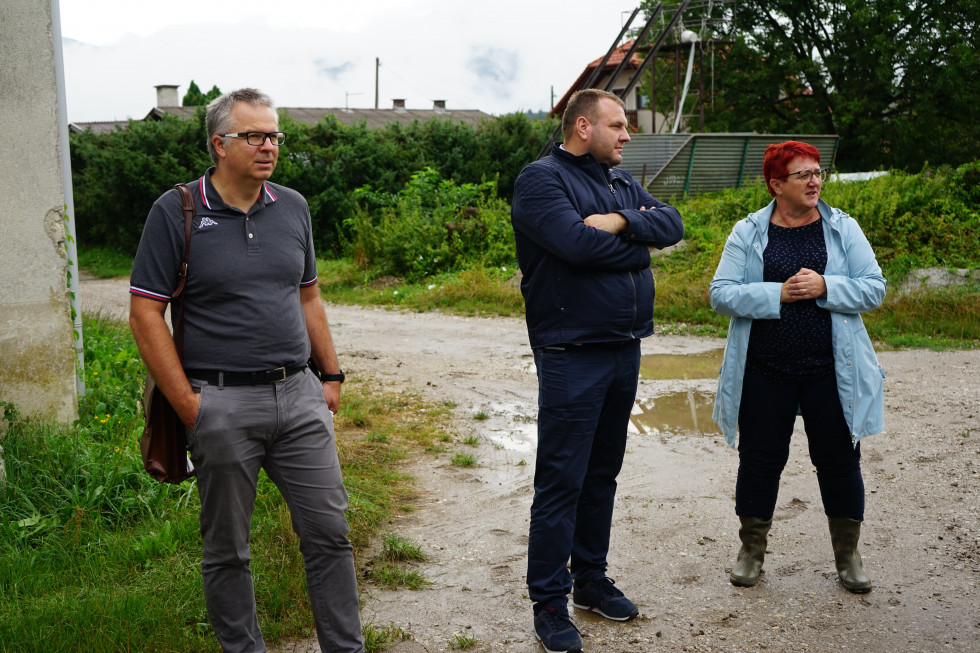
(674, 165)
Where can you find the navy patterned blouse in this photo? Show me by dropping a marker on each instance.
(798, 344)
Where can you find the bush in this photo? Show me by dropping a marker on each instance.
(431, 226)
(116, 177)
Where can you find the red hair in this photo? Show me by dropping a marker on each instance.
(777, 158)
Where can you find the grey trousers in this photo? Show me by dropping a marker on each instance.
(287, 429)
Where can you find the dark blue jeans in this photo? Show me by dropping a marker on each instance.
(766, 417)
(585, 397)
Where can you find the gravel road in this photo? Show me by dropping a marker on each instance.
(675, 532)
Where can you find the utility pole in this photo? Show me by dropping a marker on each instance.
(377, 67)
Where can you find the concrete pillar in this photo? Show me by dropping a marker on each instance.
(37, 359)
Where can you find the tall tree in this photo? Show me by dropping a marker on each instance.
(193, 97)
(898, 80)
(196, 98)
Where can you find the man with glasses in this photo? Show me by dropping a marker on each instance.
(253, 318)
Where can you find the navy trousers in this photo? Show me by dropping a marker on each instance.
(585, 398)
(766, 417)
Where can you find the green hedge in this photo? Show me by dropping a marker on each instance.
(118, 176)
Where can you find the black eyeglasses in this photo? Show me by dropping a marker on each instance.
(806, 174)
(258, 138)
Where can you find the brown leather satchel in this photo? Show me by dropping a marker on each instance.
(164, 442)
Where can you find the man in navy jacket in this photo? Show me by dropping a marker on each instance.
(585, 231)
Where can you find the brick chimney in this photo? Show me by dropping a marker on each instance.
(398, 104)
(439, 106)
(167, 95)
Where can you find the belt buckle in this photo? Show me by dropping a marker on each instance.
(280, 371)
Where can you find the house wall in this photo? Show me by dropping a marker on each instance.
(644, 118)
(37, 359)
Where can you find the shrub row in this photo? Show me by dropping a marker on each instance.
(117, 176)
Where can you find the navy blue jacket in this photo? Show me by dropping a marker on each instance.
(583, 284)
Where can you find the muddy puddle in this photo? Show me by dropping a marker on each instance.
(686, 412)
(677, 413)
(704, 365)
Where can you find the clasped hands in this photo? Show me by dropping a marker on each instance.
(805, 284)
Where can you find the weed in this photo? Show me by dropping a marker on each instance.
(395, 548)
(472, 441)
(481, 415)
(462, 642)
(392, 577)
(376, 436)
(377, 639)
(464, 460)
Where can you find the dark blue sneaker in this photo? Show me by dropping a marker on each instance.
(555, 629)
(602, 597)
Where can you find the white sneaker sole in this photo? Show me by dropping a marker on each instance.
(548, 650)
(595, 609)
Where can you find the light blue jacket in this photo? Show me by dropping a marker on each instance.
(854, 285)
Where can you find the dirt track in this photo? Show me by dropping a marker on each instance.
(674, 532)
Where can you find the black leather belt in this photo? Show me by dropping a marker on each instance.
(244, 378)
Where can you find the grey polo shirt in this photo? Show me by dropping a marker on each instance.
(242, 307)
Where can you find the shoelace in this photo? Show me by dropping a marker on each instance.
(608, 589)
(554, 615)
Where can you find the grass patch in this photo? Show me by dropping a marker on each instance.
(395, 548)
(462, 642)
(472, 441)
(392, 577)
(464, 460)
(104, 263)
(378, 638)
(470, 292)
(95, 555)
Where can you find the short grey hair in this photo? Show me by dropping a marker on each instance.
(217, 118)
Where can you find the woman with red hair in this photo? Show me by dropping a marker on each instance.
(795, 278)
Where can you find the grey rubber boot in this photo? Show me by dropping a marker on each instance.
(844, 535)
(754, 534)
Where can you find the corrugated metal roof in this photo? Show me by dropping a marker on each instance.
(100, 127)
(671, 165)
(374, 118)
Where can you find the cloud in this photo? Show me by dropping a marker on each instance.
(333, 73)
(496, 69)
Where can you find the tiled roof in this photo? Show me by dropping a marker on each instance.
(614, 60)
(617, 56)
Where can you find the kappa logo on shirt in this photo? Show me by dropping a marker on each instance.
(206, 222)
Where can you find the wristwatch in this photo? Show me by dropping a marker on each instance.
(324, 377)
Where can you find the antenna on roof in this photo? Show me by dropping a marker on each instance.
(347, 95)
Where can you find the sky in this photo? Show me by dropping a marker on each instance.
(498, 56)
